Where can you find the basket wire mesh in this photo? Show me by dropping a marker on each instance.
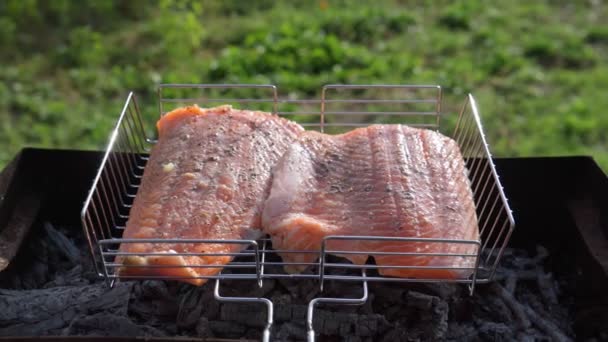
(339, 109)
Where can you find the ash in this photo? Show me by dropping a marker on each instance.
(51, 289)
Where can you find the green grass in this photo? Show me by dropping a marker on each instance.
(537, 68)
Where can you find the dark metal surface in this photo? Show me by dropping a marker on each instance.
(561, 203)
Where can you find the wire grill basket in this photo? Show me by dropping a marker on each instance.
(340, 108)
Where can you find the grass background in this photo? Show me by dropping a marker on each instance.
(538, 69)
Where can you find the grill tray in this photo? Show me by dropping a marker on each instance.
(340, 108)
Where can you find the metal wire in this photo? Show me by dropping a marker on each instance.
(311, 335)
(268, 303)
(340, 108)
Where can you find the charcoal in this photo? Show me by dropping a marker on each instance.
(525, 337)
(546, 286)
(56, 291)
(202, 328)
(153, 289)
(282, 307)
(227, 329)
(301, 291)
(72, 277)
(291, 331)
(461, 309)
(106, 324)
(22, 314)
(420, 301)
(541, 254)
(190, 308)
(62, 243)
(488, 306)
(461, 332)
(490, 331)
(387, 295)
(511, 283)
(430, 309)
(515, 306)
(545, 325)
(367, 325)
(256, 291)
(250, 315)
(444, 291)
(396, 334)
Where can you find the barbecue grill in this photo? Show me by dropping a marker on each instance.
(550, 284)
(340, 108)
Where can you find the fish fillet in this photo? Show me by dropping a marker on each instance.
(382, 180)
(207, 178)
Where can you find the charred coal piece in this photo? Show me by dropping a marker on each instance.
(431, 309)
(106, 324)
(22, 314)
(394, 311)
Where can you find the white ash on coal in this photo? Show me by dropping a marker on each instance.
(51, 289)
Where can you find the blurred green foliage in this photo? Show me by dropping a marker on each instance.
(537, 68)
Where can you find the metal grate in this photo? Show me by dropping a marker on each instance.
(340, 108)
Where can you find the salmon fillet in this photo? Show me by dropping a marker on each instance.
(382, 180)
(206, 178)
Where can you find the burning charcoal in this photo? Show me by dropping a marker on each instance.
(490, 331)
(104, 324)
(64, 245)
(227, 329)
